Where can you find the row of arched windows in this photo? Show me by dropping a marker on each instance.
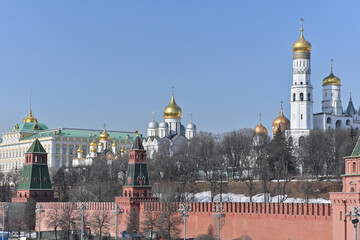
(301, 97)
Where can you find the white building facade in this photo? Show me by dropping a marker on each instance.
(170, 133)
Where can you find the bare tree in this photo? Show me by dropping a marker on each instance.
(53, 219)
(149, 223)
(133, 220)
(168, 223)
(68, 219)
(100, 222)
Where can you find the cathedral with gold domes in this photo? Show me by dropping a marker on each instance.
(302, 119)
(170, 133)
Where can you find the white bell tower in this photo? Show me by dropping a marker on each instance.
(301, 89)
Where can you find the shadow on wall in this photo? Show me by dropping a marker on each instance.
(244, 237)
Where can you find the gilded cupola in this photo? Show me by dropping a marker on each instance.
(79, 150)
(331, 79)
(30, 118)
(260, 129)
(301, 45)
(281, 122)
(104, 135)
(172, 110)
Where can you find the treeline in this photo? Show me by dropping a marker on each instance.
(214, 159)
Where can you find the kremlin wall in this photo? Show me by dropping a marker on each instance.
(263, 221)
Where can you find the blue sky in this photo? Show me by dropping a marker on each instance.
(114, 62)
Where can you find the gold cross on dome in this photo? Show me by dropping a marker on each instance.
(332, 64)
(281, 104)
(302, 21)
(260, 117)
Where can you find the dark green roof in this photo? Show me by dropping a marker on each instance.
(350, 110)
(137, 175)
(35, 177)
(356, 151)
(36, 147)
(137, 144)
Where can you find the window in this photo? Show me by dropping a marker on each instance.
(309, 99)
(301, 116)
(328, 120)
(347, 122)
(301, 97)
(294, 97)
(354, 167)
(352, 189)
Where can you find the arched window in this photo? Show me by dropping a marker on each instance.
(301, 83)
(328, 120)
(125, 193)
(354, 167)
(45, 194)
(338, 124)
(294, 97)
(347, 122)
(301, 97)
(352, 189)
(309, 99)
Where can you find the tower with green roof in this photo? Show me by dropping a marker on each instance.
(35, 181)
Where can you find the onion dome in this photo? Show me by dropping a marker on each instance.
(164, 125)
(93, 150)
(79, 150)
(114, 144)
(153, 124)
(172, 110)
(282, 122)
(122, 150)
(331, 79)
(104, 135)
(191, 126)
(93, 143)
(30, 118)
(260, 129)
(301, 45)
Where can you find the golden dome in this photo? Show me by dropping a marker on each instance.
(172, 110)
(260, 129)
(122, 150)
(30, 118)
(93, 150)
(80, 150)
(93, 143)
(101, 144)
(331, 79)
(301, 45)
(104, 135)
(282, 122)
(114, 144)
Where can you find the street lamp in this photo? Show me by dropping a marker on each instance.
(39, 210)
(219, 209)
(184, 209)
(355, 220)
(117, 209)
(3, 206)
(83, 206)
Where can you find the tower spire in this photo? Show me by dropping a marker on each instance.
(259, 118)
(190, 117)
(153, 113)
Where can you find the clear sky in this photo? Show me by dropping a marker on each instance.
(114, 62)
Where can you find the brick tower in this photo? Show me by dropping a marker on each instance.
(35, 182)
(137, 188)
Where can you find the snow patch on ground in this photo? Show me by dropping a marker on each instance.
(258, 198)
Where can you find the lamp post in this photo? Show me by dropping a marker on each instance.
(219, 209)
(3, 206)
(355, 220)
(117, 209)
(83, 206)
(39, 209)
(184, 209)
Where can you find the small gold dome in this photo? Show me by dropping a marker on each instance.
(93, 143)
(114, 144)
(301, 45)
(30, 118)
(101, 144)
(80, 150)
(104, 135)
(172, 110)
(282, 122)
(93, 150)
(331, 79)
(122, 150)
(260, 130)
